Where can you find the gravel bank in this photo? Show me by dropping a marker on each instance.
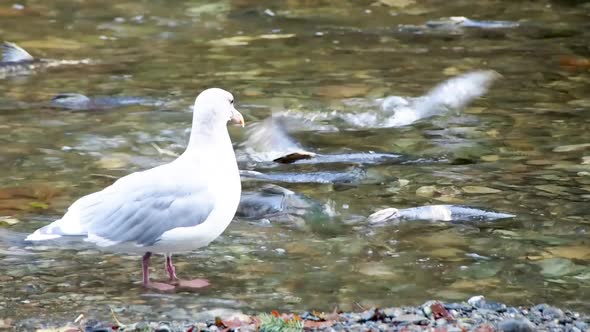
(475, 314)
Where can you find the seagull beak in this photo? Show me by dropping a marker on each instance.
(237, 118)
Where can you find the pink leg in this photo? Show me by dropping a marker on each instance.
(193, 284)
(145, 266)
(170, 268)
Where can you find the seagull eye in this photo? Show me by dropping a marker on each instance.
(231, 101)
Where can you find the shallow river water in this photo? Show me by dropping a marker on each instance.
(522, 149)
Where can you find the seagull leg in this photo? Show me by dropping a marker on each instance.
(170, 268)
(145, 266)
(192, 284)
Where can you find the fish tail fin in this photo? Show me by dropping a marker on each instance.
(14, 53)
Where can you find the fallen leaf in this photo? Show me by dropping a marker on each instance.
(440, 311)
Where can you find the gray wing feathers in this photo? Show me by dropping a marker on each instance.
(145, 218)
(142, 215)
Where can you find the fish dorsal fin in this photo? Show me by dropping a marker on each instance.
(13, 53)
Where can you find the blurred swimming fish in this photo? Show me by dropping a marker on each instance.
(17, 61)
(454, 94)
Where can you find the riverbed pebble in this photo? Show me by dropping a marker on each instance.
(474, 314)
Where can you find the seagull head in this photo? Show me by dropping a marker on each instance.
(216, 107)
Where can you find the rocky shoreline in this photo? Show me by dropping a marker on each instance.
(475, 314)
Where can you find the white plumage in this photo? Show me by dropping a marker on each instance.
(176, 207)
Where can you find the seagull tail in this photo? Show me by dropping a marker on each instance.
(48, 232)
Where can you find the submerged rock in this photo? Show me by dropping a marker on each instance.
(453, 213)
(79, 102)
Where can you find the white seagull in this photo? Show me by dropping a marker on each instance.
(175, 207)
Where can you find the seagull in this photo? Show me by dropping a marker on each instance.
(176, 207)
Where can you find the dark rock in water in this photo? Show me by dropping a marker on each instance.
(79, 102)
(516, 325)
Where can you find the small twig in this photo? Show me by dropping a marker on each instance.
(360, 306)
(80, 320)
(164, 151)
(80, 317)
(104, 176)
(116, 319)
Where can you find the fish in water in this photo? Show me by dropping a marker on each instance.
(17, 61)
(79, 102)
(452, 213)
(455, 22)
(269, 140)
(453, 94)
(456, 25)
(277, 204)
(351, 175)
